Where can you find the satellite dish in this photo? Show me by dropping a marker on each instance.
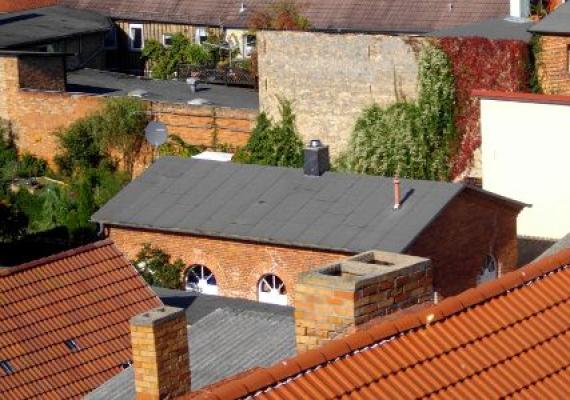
(156, 133)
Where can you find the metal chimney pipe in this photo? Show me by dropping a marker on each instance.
(396, 193)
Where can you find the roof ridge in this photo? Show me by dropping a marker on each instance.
(55, 257)
(264, 378)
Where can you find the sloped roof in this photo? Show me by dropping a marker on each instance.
(19, 5)
(493, 29)
(331, 15)
(562, 244)
(341, 212)
(47, 24)
(233, 337)
(508, 337)
(557, 22)
(87, 295)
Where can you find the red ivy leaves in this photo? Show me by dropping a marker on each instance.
(480, 63)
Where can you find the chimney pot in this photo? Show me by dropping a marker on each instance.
(316, 158)
(397, 196)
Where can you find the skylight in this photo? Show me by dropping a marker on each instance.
(7, 367)
(72, 345)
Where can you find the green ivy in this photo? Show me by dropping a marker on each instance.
(412, 140)
(270, 143)
(534, 64)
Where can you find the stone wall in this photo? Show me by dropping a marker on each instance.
(554, 64)
(331, 78)
(42, 73)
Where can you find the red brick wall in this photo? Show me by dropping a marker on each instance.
(470, 228)
(238, 266)
(35, 115)
(553, 65)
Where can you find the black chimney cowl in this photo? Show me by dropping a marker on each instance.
(317, 160)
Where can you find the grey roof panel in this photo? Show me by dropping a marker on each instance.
(494, 29)
(47, 24)
(557, 22)
(560, 245)
(340, 212)
(226, 336)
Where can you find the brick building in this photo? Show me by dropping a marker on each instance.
(247, 230)
(554, 53)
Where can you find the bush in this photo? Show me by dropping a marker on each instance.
(156, 269)
(165, 60)
(13, 224)
(406, 139)
(276, 144)
(176, 146)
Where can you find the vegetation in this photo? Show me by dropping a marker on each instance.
(156, 269)
(165, 60)
(283, 15)
(408, 139)
(271, 143)
(176, 146)
(534, 64)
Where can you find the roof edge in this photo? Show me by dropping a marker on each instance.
(264, 378)
(55, 257)
(522, 97)
(517, 205)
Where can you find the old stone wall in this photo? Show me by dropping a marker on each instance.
(331, 78)
(42, 73)
(554, 64)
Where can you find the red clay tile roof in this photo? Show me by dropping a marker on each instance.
(21, 5)
(329, 15)
(87, 294)
(507, 338)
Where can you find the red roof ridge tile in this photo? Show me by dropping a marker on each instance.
(55, 257)
(256, 381)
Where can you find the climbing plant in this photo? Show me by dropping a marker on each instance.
(408, 139)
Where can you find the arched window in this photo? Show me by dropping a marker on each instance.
(489, 271)
(271, 289)
(199, 278)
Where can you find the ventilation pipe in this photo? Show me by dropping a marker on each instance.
(397, 196)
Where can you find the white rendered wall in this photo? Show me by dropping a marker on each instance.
(526, 156)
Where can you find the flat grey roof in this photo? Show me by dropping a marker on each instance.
(495, 29)
(557, 22)
(336, 211)
(46, 24)
(231, 336)
(107, 83)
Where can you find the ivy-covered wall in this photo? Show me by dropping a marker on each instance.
(480, 63)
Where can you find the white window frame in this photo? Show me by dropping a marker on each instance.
(247, 50)
(197, 34)
(276, 293)
(490, 270)
(164, 36)
(203, 285)
(132, 38)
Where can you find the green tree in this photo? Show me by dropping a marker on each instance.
(156, 269)
(165, 60)
(13, 223)
(413, 140)
(271, 143)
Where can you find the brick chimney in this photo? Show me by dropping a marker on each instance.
(520, 9)
(334, 298)
(160, 353)
(317, 160)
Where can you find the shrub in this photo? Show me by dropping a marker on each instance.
(156, 269)
(13, 224)
(406, 139)
(176, 146)
(276, 144)
(284, 15)
(165, 60)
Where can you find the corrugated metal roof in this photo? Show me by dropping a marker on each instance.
(86, 294)
(507, 338)
(342, 212)
(557, 22)
(48, 24)
(223, 343)
(332, 15)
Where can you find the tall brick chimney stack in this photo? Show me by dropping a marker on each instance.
(332, 299)
(160, 353)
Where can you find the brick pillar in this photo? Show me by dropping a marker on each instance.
(160, 353)
(332, 299)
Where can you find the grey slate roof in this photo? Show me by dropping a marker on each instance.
(47, 24)
(226, 341)
(343, 212)
(494, 29)
(562, 244)
(117, 84)
(557, 22)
